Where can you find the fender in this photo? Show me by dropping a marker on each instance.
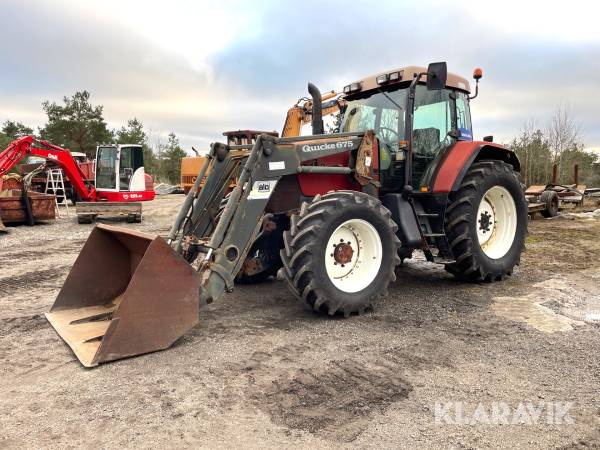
(460, 156)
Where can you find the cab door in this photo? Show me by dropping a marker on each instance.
(107, 166)
(131, 168)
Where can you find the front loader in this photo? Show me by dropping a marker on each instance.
(336, 212)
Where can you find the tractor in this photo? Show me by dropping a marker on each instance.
(334, 214)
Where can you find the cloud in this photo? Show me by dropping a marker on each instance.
(200, 68)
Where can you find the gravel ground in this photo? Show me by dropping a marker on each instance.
(260, 370)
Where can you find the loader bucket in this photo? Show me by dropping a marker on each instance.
(128, 293)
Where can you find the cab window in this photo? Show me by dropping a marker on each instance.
(131, 160)
(106, 161)
(432, 121)
(463, 116)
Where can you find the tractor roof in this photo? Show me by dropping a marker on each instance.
(407, 74)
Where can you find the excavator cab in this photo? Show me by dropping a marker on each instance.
(120, 168)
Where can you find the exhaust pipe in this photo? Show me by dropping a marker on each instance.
(317, 109)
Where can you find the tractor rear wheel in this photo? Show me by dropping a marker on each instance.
(486, 223)
(340, 252)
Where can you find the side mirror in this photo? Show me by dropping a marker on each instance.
(437, 73)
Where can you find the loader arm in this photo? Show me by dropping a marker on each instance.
(224, 251)
(24, 146)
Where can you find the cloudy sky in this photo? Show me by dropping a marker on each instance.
(199, 68)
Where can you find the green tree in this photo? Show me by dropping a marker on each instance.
(560, 144)
(14, 130)
(4, 141)
(170, 156)
(587, 162)
(533, 150)
(134, 133)
(77, 125)
(564, 138)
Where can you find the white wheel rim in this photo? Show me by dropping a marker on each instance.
(353, 255)
(496, 222)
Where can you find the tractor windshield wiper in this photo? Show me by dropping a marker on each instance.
(391, 100)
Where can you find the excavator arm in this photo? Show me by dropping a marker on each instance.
(19, 148)
(301, 113)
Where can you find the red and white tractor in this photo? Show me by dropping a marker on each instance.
(333, 214)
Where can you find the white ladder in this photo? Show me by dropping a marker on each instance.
(55, 184)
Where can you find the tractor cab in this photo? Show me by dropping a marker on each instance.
(120, 174)
(441, 118)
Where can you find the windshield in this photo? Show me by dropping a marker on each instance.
(383, 111)
(379, 111)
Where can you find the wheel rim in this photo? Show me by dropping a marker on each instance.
(353, 255)
(496, 222)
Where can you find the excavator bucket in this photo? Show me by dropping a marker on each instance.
(128, 293)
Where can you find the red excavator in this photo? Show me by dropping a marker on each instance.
(120, 180)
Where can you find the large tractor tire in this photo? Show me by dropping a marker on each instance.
(340, 252)
(486, 223)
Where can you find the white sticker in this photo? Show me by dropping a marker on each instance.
(368, 161)
(262, 189)
(277, 165)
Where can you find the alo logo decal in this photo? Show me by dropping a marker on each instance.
(262, 189)
(51, 156)
(264, 186)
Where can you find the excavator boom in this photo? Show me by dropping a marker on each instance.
(301, 113)
(28, 145)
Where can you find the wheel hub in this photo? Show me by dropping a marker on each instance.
(496, 222)
(353, 255)
(485, 222)
(343, 252)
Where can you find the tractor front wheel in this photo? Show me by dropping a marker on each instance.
(486, 223)
(340, 252)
